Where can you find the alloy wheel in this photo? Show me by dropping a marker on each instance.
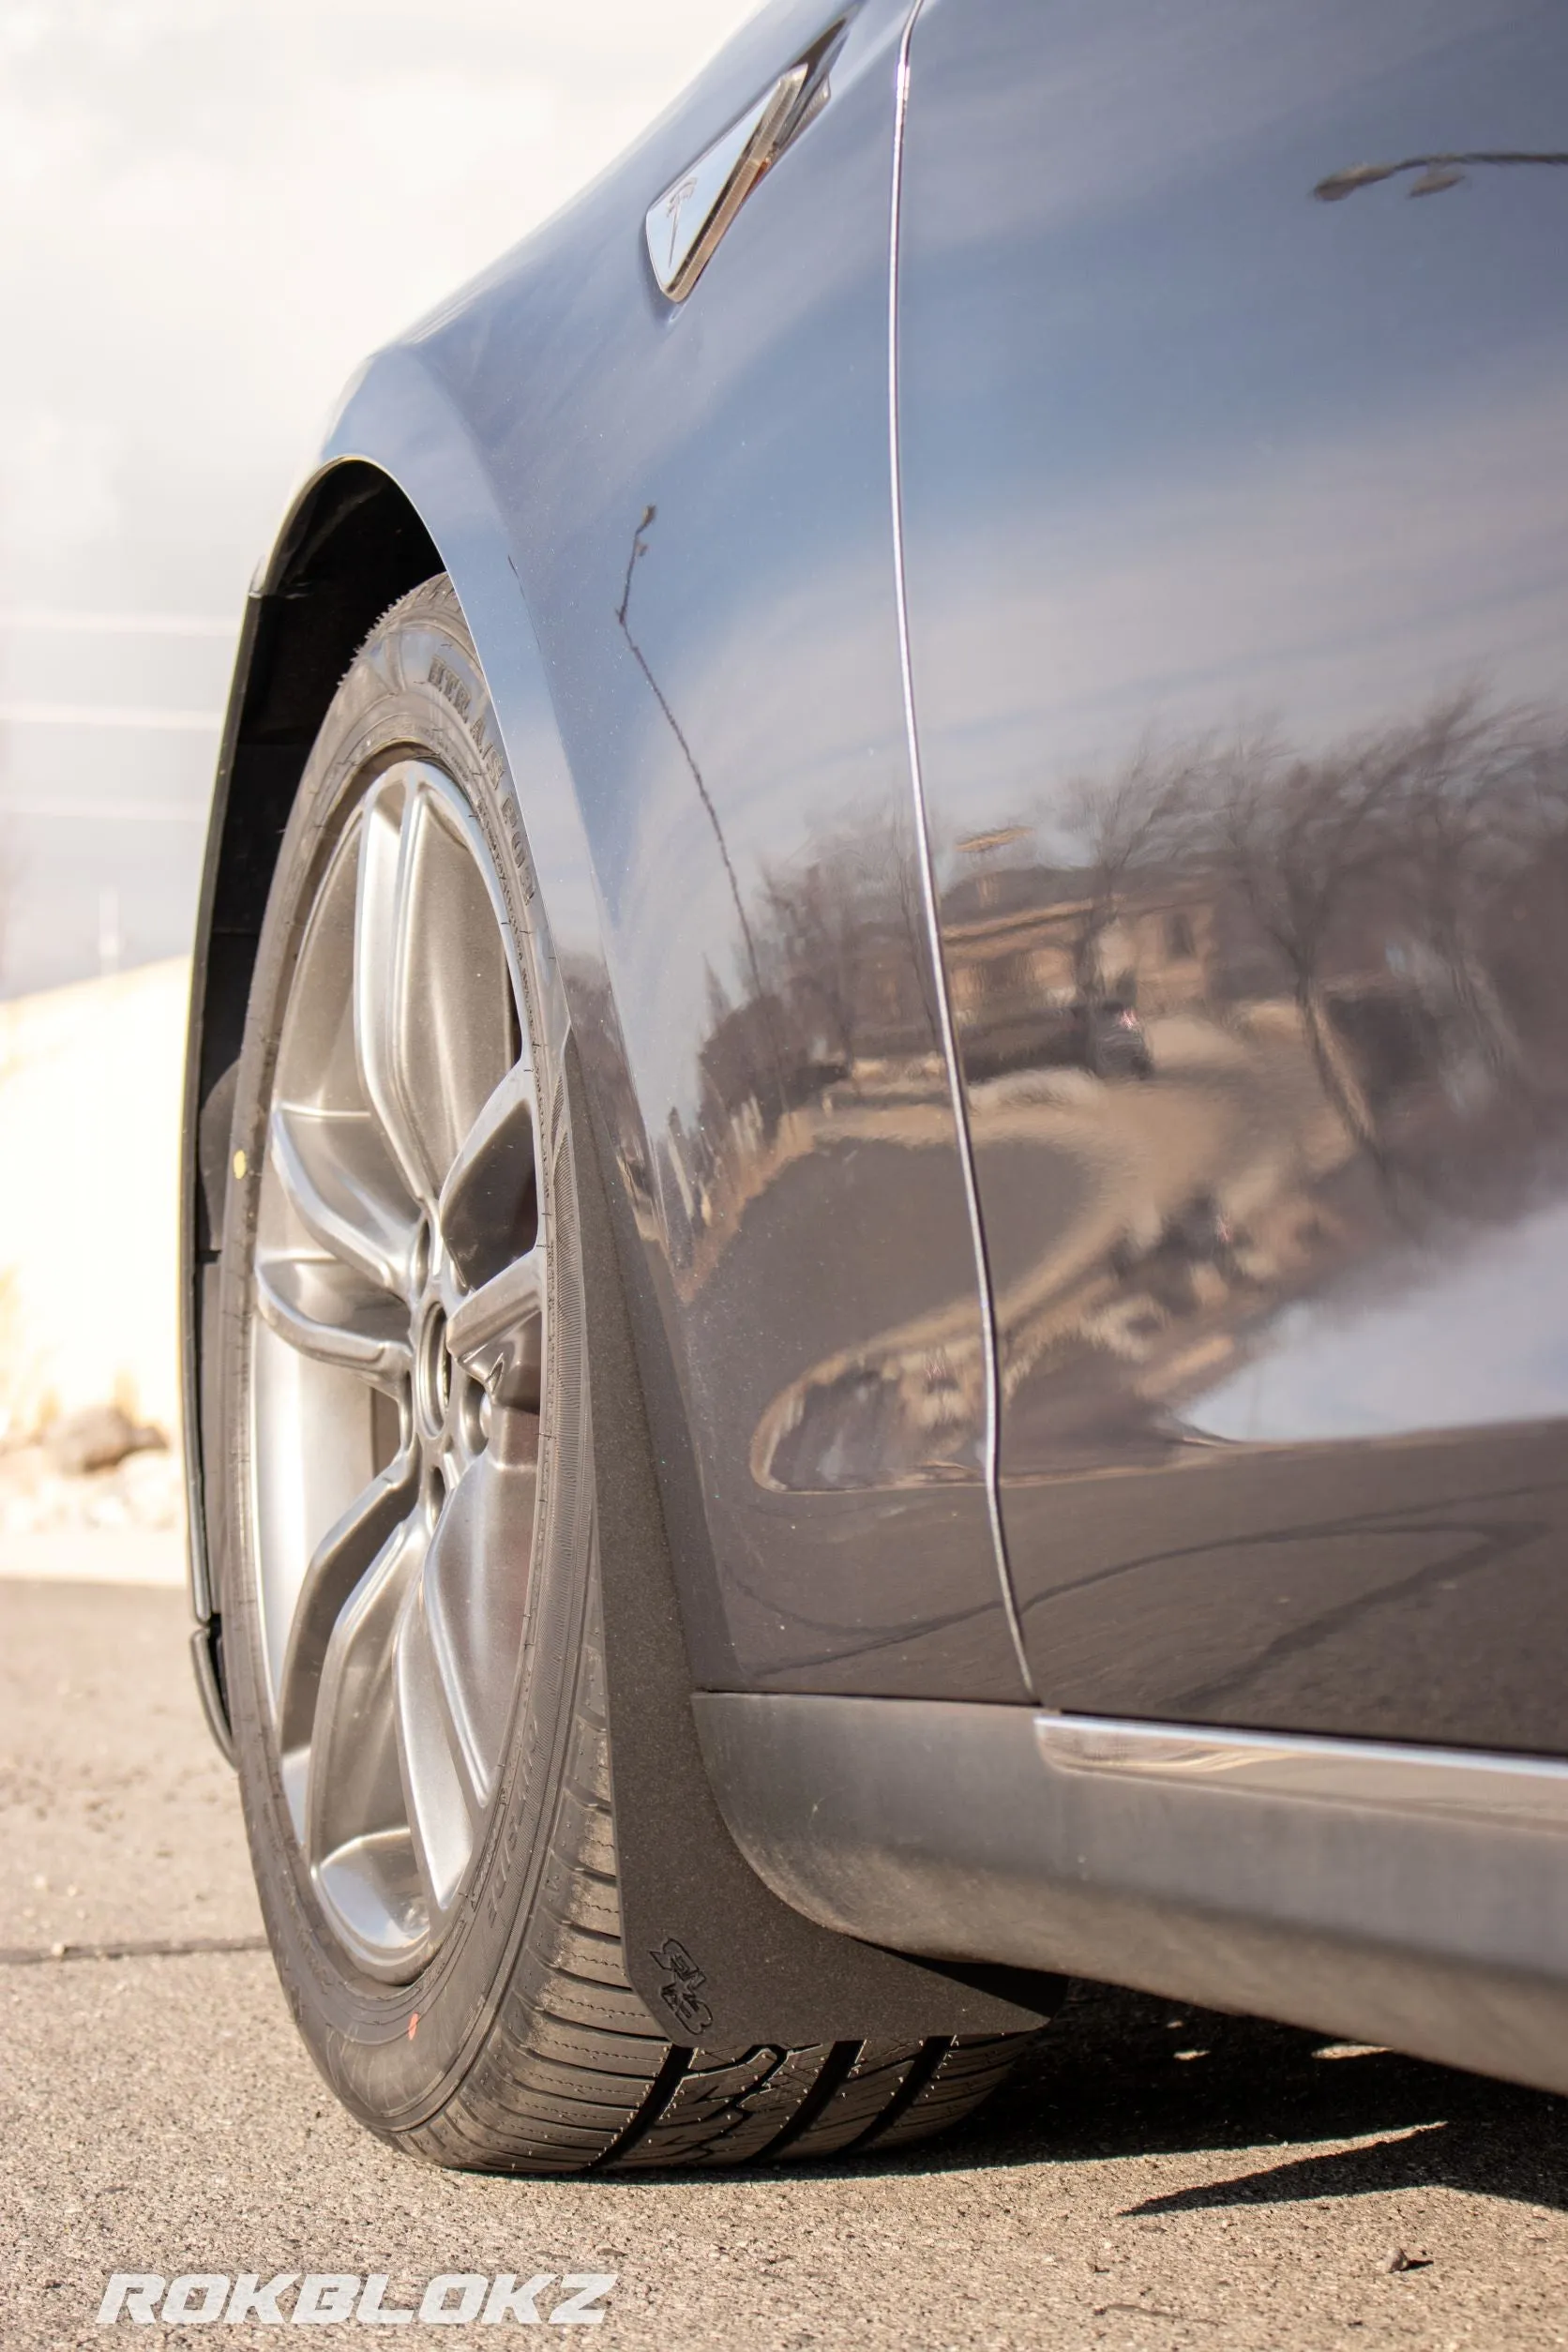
(397, 1366)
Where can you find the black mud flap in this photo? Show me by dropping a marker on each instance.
(714, 1955)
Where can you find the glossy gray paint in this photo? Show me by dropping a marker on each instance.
(670, 529)
(1400, 1896)
(1237, 579)
(706, 559)
(1131, 347)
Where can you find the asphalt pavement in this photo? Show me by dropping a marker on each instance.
(1156, 2176)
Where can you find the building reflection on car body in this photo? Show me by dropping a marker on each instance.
(1260, 1029)
(1315, 963)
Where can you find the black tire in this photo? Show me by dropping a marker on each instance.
(519, 2046)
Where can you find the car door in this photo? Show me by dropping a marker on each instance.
(1232, 353)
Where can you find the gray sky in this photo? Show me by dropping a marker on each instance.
(209, 211)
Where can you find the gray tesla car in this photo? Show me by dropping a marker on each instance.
(877, 1177)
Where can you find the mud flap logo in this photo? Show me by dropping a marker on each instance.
(682, 1982)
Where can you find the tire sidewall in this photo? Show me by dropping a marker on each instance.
(395, 2053)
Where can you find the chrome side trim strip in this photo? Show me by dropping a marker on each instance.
(1511, 1791)
(1407, 1896)
(992, 1433)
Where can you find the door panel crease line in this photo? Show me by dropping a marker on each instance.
(992, 1436)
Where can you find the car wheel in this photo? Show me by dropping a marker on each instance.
(405, 1543)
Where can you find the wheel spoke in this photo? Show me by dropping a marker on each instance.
(432, 994)
(339, 1561)
(336, 1177)
(354, 1789)
(377, 975)
(475, 1593)
(497, 1332)
(488, 1206)
(324, 1311)
(440, 1797)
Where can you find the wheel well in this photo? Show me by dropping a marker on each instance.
(352, 546)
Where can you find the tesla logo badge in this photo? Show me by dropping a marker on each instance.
(685, 224)
(684, 1981)
(671, 207)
